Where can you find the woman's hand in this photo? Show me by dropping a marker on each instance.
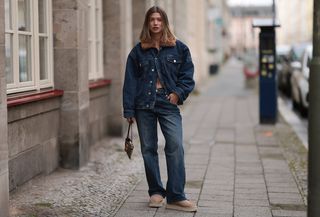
(173, 98)
(131, 120)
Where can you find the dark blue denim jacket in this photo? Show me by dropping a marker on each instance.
(171, 64)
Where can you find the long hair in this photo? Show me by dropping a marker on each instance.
(167, 34)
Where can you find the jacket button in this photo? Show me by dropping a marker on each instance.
(147, 106)
(149, 93)
(150, 82)
(152, 69)
(174, 61)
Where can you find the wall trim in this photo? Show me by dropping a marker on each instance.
(99, 83)
(20, 100)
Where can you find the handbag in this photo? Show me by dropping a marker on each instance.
(128, 145)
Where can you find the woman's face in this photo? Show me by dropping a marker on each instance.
(155, 23)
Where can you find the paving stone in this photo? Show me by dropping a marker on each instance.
(283, 190)
(287, 213)
(285, 200)
(137, 199)
(129, 212)
(285, 195)
(218, 192)
(251, 190)
(196, 159)
(225, 135)
(216, 204)
(204, 214)
(252, 186)
(252, 202)
(251, 196)
(215, 211)
(221, 198)
(249, 181)
(170, 213)
(252, 211)
(217, 187)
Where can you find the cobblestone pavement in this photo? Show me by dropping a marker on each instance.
(235, 167)
(95, 190)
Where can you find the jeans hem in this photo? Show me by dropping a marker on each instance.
(159, 193)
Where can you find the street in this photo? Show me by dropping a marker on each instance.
(234, 165)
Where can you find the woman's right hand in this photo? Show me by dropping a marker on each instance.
(131, 120)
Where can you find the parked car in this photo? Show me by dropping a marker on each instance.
(283, 67)
(292, 62)
(300, 81)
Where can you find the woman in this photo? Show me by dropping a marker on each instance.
(158, 78)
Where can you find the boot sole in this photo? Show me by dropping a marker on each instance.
(155, 205)
(181, 208)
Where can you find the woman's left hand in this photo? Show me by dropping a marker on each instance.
(173, 98)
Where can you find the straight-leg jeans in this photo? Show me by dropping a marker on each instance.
(170, 122)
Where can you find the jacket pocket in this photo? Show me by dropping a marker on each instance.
(173, 59)
(173, 64)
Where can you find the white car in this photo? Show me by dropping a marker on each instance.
(300, 82)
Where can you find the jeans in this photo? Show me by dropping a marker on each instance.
(170, 122)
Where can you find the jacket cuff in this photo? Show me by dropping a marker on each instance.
(128, 113)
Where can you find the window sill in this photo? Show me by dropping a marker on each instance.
(20, 100)
(99, 83)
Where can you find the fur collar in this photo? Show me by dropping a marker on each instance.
(150, 44)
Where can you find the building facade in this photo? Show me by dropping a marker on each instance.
(243, 36)
(218, 32)
(296, 20)
(61, 73)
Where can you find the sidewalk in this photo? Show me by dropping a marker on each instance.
(235, 167)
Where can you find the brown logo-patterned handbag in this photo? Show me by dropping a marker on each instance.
(128, 145)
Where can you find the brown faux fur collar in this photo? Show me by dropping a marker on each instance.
(149, 44)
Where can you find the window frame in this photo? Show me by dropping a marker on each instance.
(95, 40)
(35, 83)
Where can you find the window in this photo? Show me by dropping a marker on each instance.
(28, 45)
(95, 45)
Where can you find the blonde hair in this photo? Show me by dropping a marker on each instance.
(167, 34)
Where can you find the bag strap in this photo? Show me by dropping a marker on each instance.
(129, 131)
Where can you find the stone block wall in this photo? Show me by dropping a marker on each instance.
(139, 8)
(117, 26)
(4, 184)
(71, 75)
(98, 114)
(33, 131)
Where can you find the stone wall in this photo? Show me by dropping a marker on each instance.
(33, 131)
(4, 184)
(98, 114)
(71, 75)
(195, 23)
(117, 25)
(138, 13)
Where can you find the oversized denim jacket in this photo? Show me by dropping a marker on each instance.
(171, 64)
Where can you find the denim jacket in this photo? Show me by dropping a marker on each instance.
(171, 64)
